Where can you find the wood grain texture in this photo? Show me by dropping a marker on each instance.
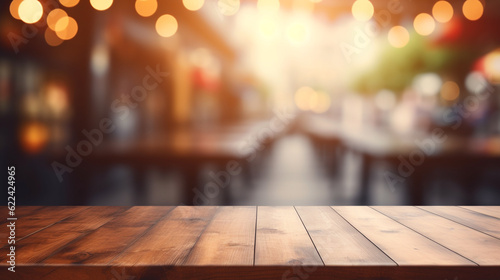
(493, 211)
(281, 238)
(228, 239)
(472, 244)
(170, 241)
(337, 241)
(403, 245)
(102, 245)
(478, 221)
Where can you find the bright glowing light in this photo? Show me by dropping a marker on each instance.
(30, 11)
(385, 100)
(166, 25)
(57, 98)
(398, 36)
(66, 28)
(228, 7)
(297, 33)
(450, 91)
(475, 82)
(51, 38)
(442, 11)
(146, 8)
(320, 103)
(304, 96)
(362, 10)
(492, 66)
(193, 5)
(473, 9)
(54, 16)
(424, 24)
(268, 5)
(101, 5)
(69, 3)
(268, 27)
(99, 60)
(403, 119)
(14, 8)
(427, 84)
(34, 137)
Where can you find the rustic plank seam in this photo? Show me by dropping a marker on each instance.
(481, 213)
(201, 233)
(255, 234)
(308, 234)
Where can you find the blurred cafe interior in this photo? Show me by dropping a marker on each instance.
(251, 102)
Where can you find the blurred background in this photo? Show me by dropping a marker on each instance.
(251, 102)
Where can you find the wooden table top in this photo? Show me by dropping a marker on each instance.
(248, 242)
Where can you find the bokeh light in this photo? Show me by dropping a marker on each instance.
(51, 38)
(228, 7)
(54, 16)
(166, 25)
(30, 11)
(320, 103)
(427, 84)
(193, 5)
(268, 5)
(69, 3)
(398, 36)
(473, 9)
(442, 11)
(14, 8)
(450, 91)
(146, 8)
(362, 10)
(66, 28)
(297, 33)
(304, 96)
(34, 137)
(424, 24)
(475, 82)
(101, 5)
(492, 66)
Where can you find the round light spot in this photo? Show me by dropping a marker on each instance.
(51, 38)
(442, 11)
(427, 84)
(146, 8)
(69, 3)
(166, 25)
(54, 16)
(101, 5)
(424, 24)
(193, 5)
(450, 91)
(34, 137)
(304, 98)
(398, 36)
(473, 9)
(228, 7)
(14, 8)
(66, 28)
(30, 11)
(362, 10)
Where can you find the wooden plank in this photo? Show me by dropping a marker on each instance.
(337, 241)
(404, 246)
(474, 245)
(105, 243)
(170, 240)
(493, 211)
(228, 240)
(42, 244)
(475, 220)
(281, 238)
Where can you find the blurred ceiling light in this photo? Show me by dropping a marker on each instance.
(385, 100)
(304, 96)
(297, 33)
(166, 25)
(54, 16)
(193, 5)
(34, 137)
(398, 36)
(475, 82)
(101, 5)
(56, 98)
(442, 11)
(69, 3)
(450, 91)
(99, 59)
(427, 84)
(492, 66)
(66, 28)
(228, 7)
(268, 5)
(321, 103)
(51, 38)
(362, 10)
(424, 24)
(473, 9)
(146, 8)
(30, 11)
(14, 8)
